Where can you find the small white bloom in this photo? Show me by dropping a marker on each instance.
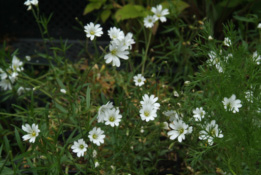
(6, 84)
(94, 154)
(198, 114)
(21, 90)
(210, 37)
(150, 101)
(103, 110)
(126, 42)
(148, 112)
(96, 164)
(257, 58)
(113, 117)
(210, 133)
(259, 26)
(96, 135)
(17, 64)
(116, 33)
(215, 61)
(249, 96)
(172, 115)
(33, 132)
(139, 80)
(92, 30)
(165, 125)
(180, 129)
(176, 94)
(142, 129)
(79, 147)
(160, 13)
(116, 52)
(227, 42)
(28, 58)
(29, 3)
(232, 104)
(149, 21)
(63, 91)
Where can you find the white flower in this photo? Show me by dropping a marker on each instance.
(210, 37)
(33, 132)
(92, 30)
(150, 101)
(6, 84)
(17, 64)
(96, 164)
(139, 80)
(176, 94)
(227, 42)
(28, 58)
(231, 104)
(21, 90)
(199, 114)
(172, 115)
(210, 133)
(259, 26)
(63, 91)
(96, 135)
(29, 3)
(249, 96)
(126, 42)
(215, 61)
(116, 33)
(148, 112)
(113, 117)
(94, 154)
(103, 110)
(256, 57)
(159, 13)
(142, 129)
(165, 125)
(79, 147)
(180, 129)
(116, 52)
(149, 21)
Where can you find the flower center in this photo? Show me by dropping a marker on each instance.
(139, 80)
(92, 32)
(150, 20)
(201, 114)
(158, 15)
(94, 136)
(213, 132)
(10, 71)
(111, 119)
(81, 146)
(146, 113)
(113, 52)
(181, 130)
(229, 106)
(33, 133)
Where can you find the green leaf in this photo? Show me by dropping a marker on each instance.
(5, 170)
(105, 15)
(60, 83)
(88, 98)
(18, 139)
(178, 5)
(94, 5)
(129, 12)
(60, 107)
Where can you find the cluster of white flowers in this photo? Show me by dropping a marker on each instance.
(210, 133)
(172, 115)
(158, 14)
(232, 104)
(149, 107)
(30, 3)
(119, 45)
(9, 75)
(110, 115)
(215, 60)
(139, 80)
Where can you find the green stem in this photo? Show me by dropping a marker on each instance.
(146, 52)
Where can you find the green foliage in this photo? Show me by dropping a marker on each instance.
(129, 12)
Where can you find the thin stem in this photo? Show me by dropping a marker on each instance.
(146, 52)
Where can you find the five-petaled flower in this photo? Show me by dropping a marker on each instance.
(232, 104)
(32, 131)
(92, 30)
(79, 147)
